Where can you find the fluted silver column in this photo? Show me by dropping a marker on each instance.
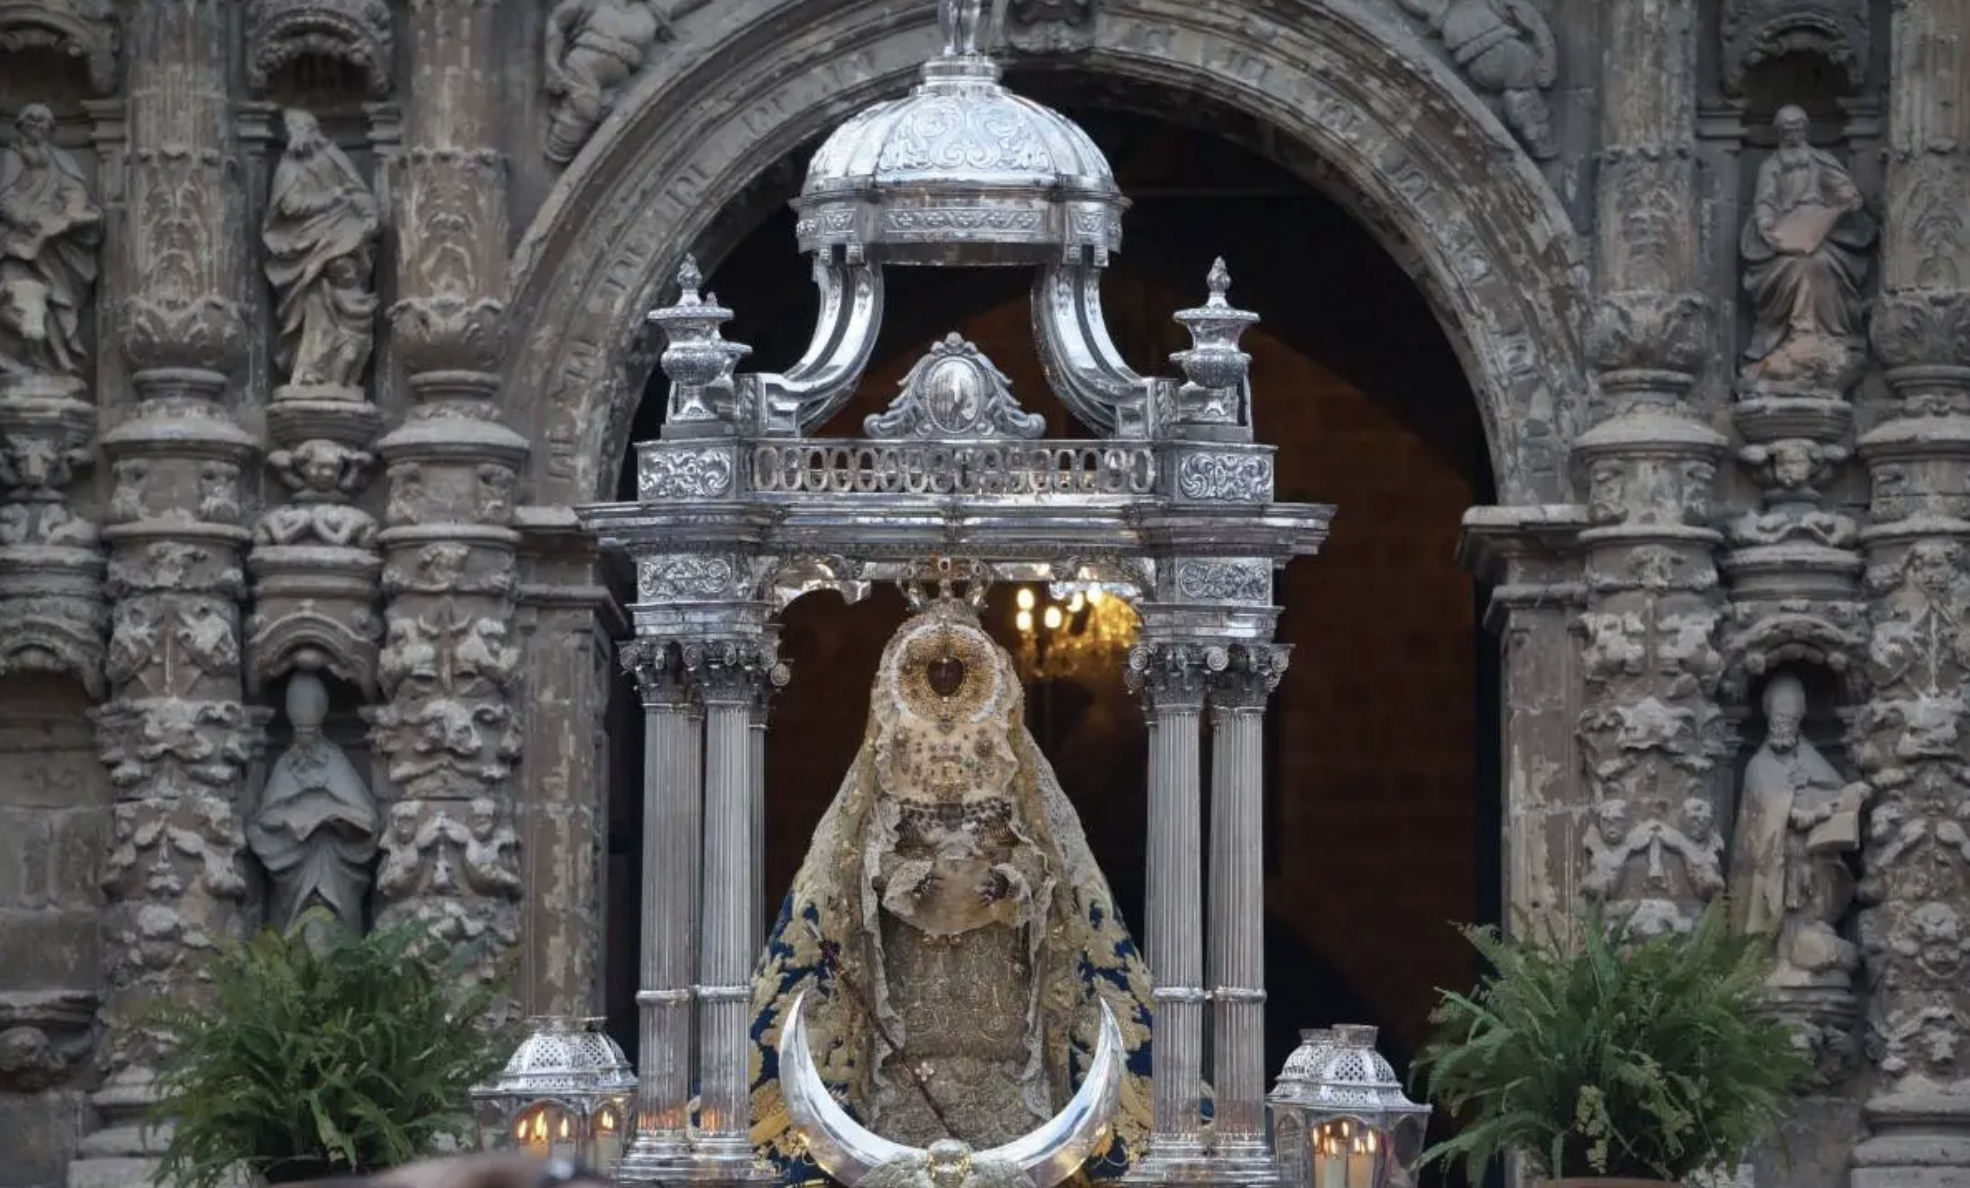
(761, 911)
(673, 812)
(1237, 936)
(1172, 679)
(729, 677)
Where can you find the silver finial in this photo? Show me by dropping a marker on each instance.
(1218, 281)
(688, 280)
(960, 22)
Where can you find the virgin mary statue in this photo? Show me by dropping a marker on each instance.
(950, 927)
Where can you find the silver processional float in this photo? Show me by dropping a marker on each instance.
(741, 507)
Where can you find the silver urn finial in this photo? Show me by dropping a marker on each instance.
(697, 359)
(1216, 391)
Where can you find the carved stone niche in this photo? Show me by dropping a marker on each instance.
(44, 1035)
(355, 32)
(83, 29)
(1798, 817)
(1759, 32)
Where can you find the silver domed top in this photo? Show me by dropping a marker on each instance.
(960, 171)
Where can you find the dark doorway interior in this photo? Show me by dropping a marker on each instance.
(1384, 804)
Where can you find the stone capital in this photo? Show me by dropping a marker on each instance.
(730, 672)
(1248, 680)
(197, 342)
(1174, 675)
(1646, 337)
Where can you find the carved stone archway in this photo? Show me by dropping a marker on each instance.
(1377, 123)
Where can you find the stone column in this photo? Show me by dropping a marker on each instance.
(1529, 554)
(1649, 732)
(175, 733)
(1172, 679)
(447, 732)
(1237, 934)
(729, 675)
(673, 828)
(1911, 738)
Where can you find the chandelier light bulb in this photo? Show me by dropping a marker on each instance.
(1024, 599)
(1051, 618)
(1023, 620)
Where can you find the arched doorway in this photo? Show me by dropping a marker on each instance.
(1382, 800)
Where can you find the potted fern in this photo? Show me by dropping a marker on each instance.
(300, 1064)
(1619, 1062)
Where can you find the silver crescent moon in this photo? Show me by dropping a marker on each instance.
(849, 1151)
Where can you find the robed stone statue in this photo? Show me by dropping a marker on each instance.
(1797, 821)
(50, 232)
(320, 232)
(317, 827)
(950, 929)
(1805, 252)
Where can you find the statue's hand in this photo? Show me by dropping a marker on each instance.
(995, 887)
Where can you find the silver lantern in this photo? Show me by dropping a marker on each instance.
(1339, 1116)
(565, 1094)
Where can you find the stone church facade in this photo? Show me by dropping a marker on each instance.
(319, 318)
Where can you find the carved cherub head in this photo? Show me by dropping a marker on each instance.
(948, 1162)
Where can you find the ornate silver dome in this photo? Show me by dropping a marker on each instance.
(561, 1056)
(1304, 1065)
(960, 171)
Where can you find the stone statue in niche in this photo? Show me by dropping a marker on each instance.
(1805, 251)
(50, 233)
(317, 828)
(595, 50)
(1797, 821)
(320, 232)
(1506, 49)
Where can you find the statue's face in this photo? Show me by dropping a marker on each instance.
(945, 675)
(1782, 729)
(1791, 127)
(36, 124)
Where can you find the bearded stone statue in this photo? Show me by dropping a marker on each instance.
(950, 933)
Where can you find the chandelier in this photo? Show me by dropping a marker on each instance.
(1086, 632)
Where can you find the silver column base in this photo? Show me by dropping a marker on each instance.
(1242, 1161)
(654, 1159)
(1170, 1159)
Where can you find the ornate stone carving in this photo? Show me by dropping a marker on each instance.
(954, 393)
(1923, 328)
(452, 866)
(172, 334)
(448, 333)
(316, 829)
(1651, 733)
(355, 32)
(594, 50)
(1798, 819)
(320, 233)
(1805, 249)
(50, 232)
(52, 617)
(174, 875)
(448, 730)
(44, 1035)
(1506, 49)
(1050, 26)
(1645, 330)
(1909, 741)
(1757, 32)
(85, 29)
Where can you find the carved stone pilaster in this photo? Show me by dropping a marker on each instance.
(449, 673)
(1649, 729)
(175, 734)
(1912, 739)
(52, 615)
(1910, 742)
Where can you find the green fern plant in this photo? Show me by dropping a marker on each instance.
(1643, 1058)
(297, 1065)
